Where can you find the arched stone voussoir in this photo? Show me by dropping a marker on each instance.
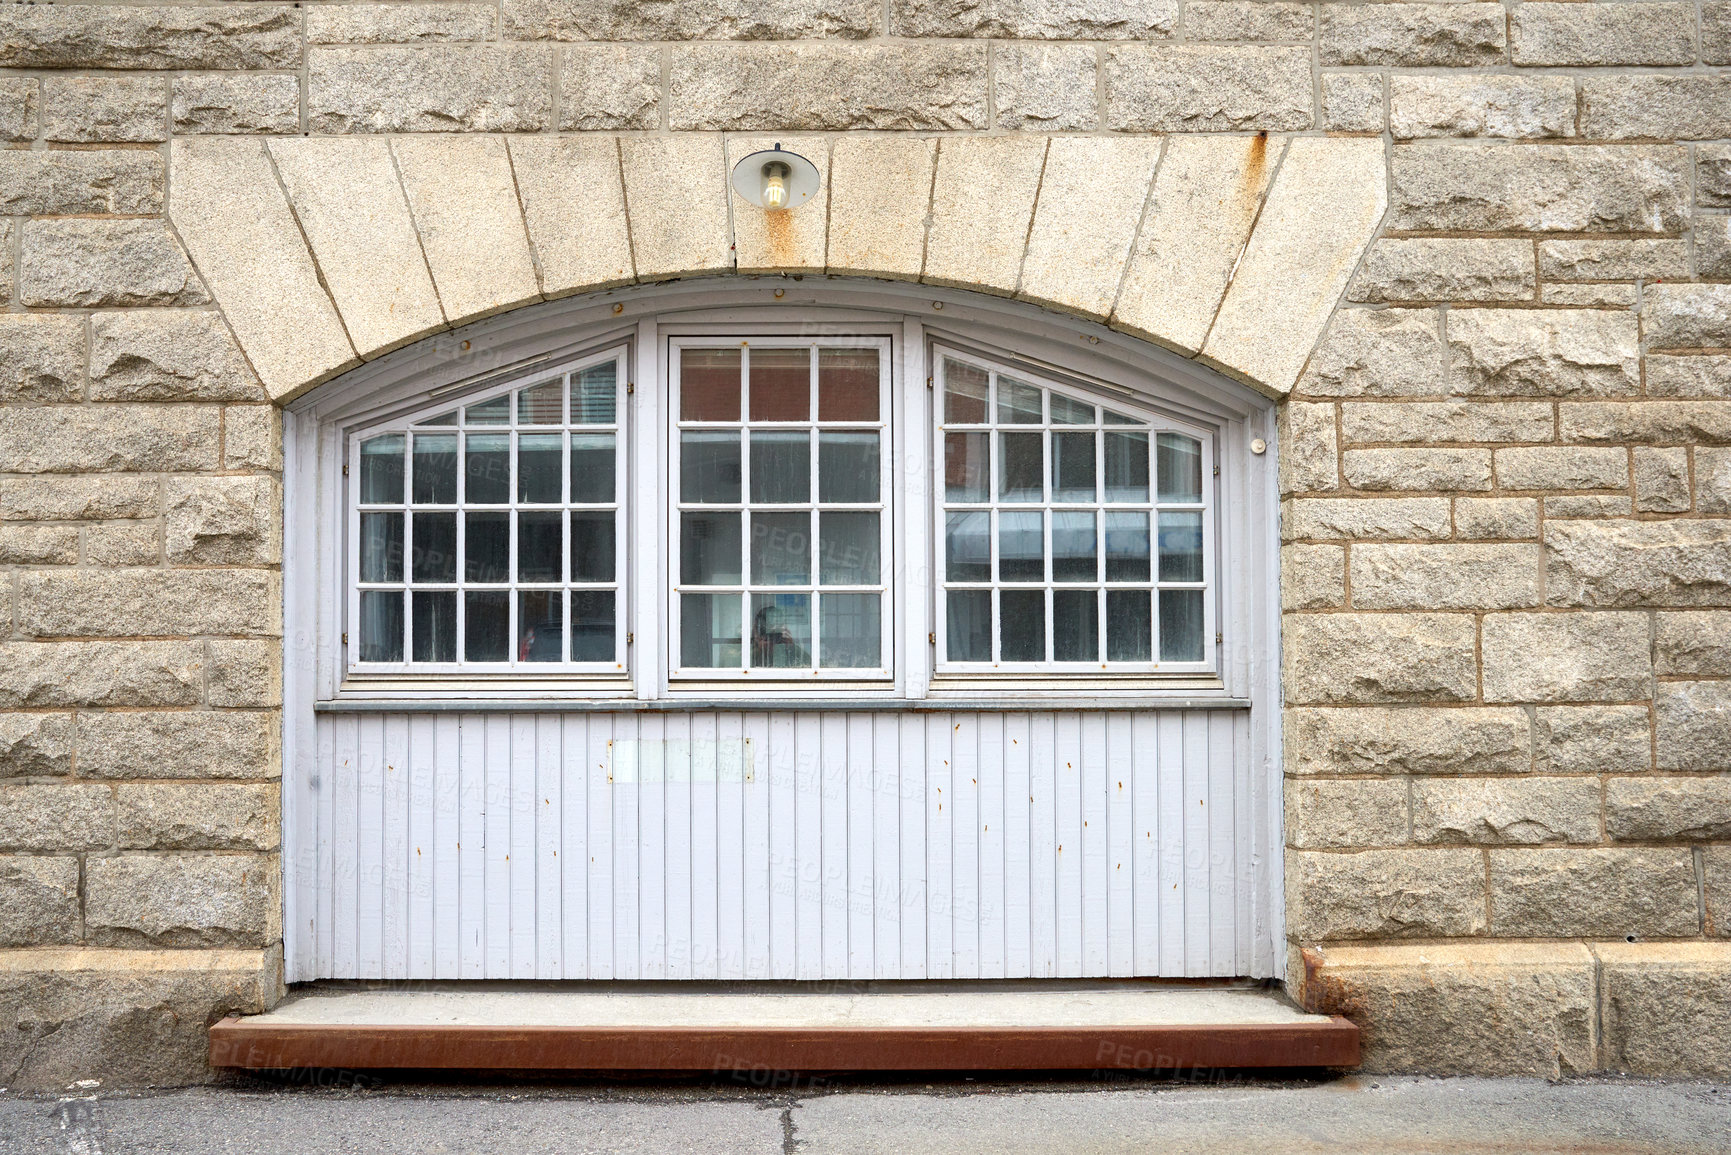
(779, 242)
(982, 202)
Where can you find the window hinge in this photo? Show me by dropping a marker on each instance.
(1218, 638)
(345, 469)
(928, 382)
(931, 639)
(345, 637)
(630, 387)
(630, 639)
(1216, 471)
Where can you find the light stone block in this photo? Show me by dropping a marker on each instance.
(1405, 35)
(227, 36)
(167, 355)
(1352, 102)
(1589, 296)
(107, 438)
(1713, 164)
(1496, 517)
(245, 674)
(198, 816)
(78, 109)
(676, 205)
(1562, 467)
(1037, 19)
(1661, 478)
(91, 603)
(1408, 422)
(141, 900)
(1663, 1007)
(1374, 658)
(182, 744)
(1377, 353)
(1597, 893)
(1551, 188)
(396, 23)
(1255, 20)
(1208, 88)
(38, 901)
(1687, 316)
(574, 207)
(97, 263)
(982, 202)
(1385, 894)
(1693, 642)
(1045, 87)
(222, 520)
(1602, 34)
(222, 103)
(68, 182)
(38, 545)
(1592, 739)
(41, 358)
(1312, 577)
(95, 674)
(1668, 809)
(1091, 204)
(1601, 260)
(604, 20)
(1356, 813)
(20, 107)
(1566, 657)
(1368, 519)
(1445, 269)
(1310, 453)
(252, 437)
(877, 209)
(1713, 480)
(1505, 811)
(1638, 563)
(122, 545)
(62, 816)
(1692, 726)
(1408, 740)
(784, 240)
(1417, 469)
(1515, 107)
(1543, 353)
(1445, 577)
(35, 745)
(430, 88)
(1717, 863)
(609, 86)
(77, 498)
(1665, 106)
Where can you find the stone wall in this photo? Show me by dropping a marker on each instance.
(1507, 574)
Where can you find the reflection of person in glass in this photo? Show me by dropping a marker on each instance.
(773, 643)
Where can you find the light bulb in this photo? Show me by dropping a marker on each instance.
(775, 185)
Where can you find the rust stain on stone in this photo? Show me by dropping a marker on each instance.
(779, 232)
(1257, 166)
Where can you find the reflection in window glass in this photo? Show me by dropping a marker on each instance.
(382, 470)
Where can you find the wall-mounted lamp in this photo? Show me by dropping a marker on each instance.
(776, 179)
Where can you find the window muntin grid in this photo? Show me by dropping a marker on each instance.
(487, 536)
(780, 542)
(1073, 534)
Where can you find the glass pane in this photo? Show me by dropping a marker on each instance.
(709, 384)
(709, 631)
(1111, 418)
(487, 626)
(1072, 467)
(435, 549)
(592, 467)
(1073, 548)
(781, 630)
(1126, 547)
(541, 626)
(1126, 467)
(1021, 547)
(487, 548)
(781, 549)
(847, 549)
(780, 466)
(595, 401)
(592, 547)
(1018, 402)
(540, 547)
(487, 471)
(968, 626)
(847, 386)
(1180, 547)
(542, 405)
(449, 418)
(847, 467)
(1181, 625)
(1075, 626)
(539, 472)
(709, 467)
(381, 632)
(964, 393)
(435, 469)
(1129, 626)
(850, 631)
(968, 546)
(382, 470)
(965, 466)
(435, 626)
(1180, 468)
(494, 412)
(1020, 469)
(780, 384)
(709, 549)
(1022, 625)
(592, 628)
(381, 547)
(1069, 411)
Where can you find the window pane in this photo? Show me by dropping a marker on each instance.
(487, 472)
(1072, 467)
(595, 400)
(709, 468)
(780, 466)
(850, 631)
(435, 549)
(781, 630)
(968, 625)
(540, 547)
(539, 468)
(1075, 626)
(1018, 402)
(435, 626)
(448, 418)
(1069, 411)
(1126, 547)
(1129, 626)
(1022, 625)
(487, 626)
(435, 469)
(781, 549)
(965, 466)
(497, 411)
(847, 385)
(1110, 418)
(709, 631)
(964, 393)
(1073, 549)
(592, 467)
(847, 548)
(780, 384)
(381, 547)
(486, 547)
(709, 384)
(1126, 467)
(1180, 468)
(1181, 625)
(968, 546)
(592, 547)
(381, 632)
(541, 626)
(542, 405)
(1021, 547)
(709, 549)
(1020, 469)
(382, 470)
(1180, 547)
(847, 467)
(592, 628)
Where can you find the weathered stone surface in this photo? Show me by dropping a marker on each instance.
(61, 816)
(38, 901)
(1661, 479)
(1445, 577)
(236, 104)
(244, 673)
(1255, 20)
(1091, 202)
(123, 544)
(1386, 894)
(1481, 105)
(1717, 863)
(1505, 811)
(1445, 269)
(1431, 469)
(1565, 657)
(1687, 316)
(167, 355)
(1713, 172)
(222, 744)
(80, 182)
(1713, 246)
(1602, 34)
(100, 674)
(982, 203)
(1549, 353)
(1539, 188)
(1690, 106)
(1411, 34)
(1368, 519)
(1480, 518)
(1562, 467)
(38, 545)
(1598, 260)
(20, 108)
(225, 816)
(102, 438)
(1045, 87)
(819, 87)
(1462, 1009)
(1647, 563)
(76, 498)
(1349, 658)
(251, 437)
(609, 86)
(1589, 505)
(1310, 461)
(1663, 1008)
(222, 520)
(1377, 353)
(1434, 421)
(1693, 642)
(1716, 32)
(35, 744)
(1355, 813)
(41, 358)
(1668, 809)
(1414, 740)
(1609, 893)
(162, 36)
(1195, 88)
(1591, 739)
(574, 208)
(675, 197)
(1692, 725)
(1352, 102)
(105, 108)
(85, 264)
(434, 88)
(1312, 577)
(398, 23)
(723, 20)
(1036, 19)
(182, 900)
(1588, 296)
(130, 603)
